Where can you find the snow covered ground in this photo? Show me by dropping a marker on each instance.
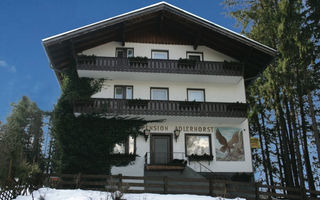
(53, 194)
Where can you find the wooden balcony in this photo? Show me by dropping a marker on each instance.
(114, 107)
(158, 66)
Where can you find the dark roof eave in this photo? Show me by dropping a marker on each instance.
(157, 7)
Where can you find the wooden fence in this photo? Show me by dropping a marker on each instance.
(172, 185)
(11, 189)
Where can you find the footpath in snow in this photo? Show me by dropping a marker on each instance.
(54, 194)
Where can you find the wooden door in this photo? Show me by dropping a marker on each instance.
(161, 151)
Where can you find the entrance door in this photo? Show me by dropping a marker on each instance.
(161, 152)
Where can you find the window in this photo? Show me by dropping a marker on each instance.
(195, 94)
(198, 144)
(123, 92)
(159, 93)
(160, 54)
(198, 56)
(124, 52)
(127, 147)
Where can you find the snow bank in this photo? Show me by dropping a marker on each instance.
(53, 194)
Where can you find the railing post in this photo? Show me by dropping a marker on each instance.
(303, 193)
(210, 187)
(165, 184)
(256, 187)
(78, 180)
(120, 182)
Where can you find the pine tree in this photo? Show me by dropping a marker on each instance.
(287, 87)
(21, 140)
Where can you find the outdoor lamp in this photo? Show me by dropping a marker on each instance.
(176, 133)
(146, 133)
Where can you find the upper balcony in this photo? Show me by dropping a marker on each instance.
(158, 70)
(156, 109)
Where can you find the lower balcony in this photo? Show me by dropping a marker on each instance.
(137, 107)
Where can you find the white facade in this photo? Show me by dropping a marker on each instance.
(144, 50)
(137, 167)
(216, 88)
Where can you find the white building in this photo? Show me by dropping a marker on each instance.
(161, 62)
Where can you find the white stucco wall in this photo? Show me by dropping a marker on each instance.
(137, 167)
(214, 92)
(144, 50)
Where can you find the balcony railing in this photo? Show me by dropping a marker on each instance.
(114, 107)
(158, 66)
(165, 161)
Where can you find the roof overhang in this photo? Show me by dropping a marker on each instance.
(61, 49)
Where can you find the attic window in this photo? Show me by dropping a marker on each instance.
(160, 54)
(124, 52)
(198, 56)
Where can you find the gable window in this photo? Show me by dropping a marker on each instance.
(197, 144)
(127, 147)
(196, 94)
(198, 56)
(124, 52)
(160, 54)
(159, 93)
(123, 92)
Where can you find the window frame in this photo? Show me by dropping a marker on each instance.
(123, 86)
(126, 146)
(162, 88)
(126, 51)
(197, 89)
(159, 50)
(194, 134)
(195, 53)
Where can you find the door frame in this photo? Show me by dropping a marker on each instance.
(152, 135)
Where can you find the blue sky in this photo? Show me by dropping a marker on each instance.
(24, 67)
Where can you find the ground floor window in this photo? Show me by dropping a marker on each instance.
(197, 144)
(127, 147)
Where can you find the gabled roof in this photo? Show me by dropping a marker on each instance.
(155, 18)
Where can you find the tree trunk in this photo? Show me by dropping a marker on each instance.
(297, 145)
(291, 144)
(314, 124)
(264, 161)
(304, 134)
(284, 146)
(267, 147)
(279, 154)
